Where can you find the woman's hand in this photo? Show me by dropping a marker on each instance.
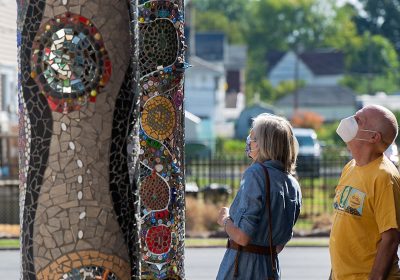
(223, 214)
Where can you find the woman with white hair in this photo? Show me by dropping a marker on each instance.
(261, 218)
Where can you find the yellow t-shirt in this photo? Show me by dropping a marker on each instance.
(366, 204)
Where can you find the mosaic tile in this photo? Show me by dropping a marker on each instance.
(154, 193)
(158, 118)
(77, 90)
(84, 153)
(161, 67)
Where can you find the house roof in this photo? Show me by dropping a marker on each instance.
(324, 63)
(197, 62)
(192, 117)
(259, 106)
(273, 57)
(210, 45)
(319, 95)
(320, 62)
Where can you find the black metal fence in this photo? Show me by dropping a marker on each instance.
(9, 202)
(220, 176)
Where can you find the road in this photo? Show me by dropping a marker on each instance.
(202, 264)
(296, 263)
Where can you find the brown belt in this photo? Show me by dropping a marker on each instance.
(255, 249)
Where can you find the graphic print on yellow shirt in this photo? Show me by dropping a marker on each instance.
(349, 200)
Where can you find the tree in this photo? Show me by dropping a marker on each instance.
(381, 17)
(218, 21)
(372, 54)
(232, 9)
(372, 65)
(229, 16)
(286, 24)
(282, 25)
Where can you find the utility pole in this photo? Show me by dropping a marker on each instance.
(296, 80)
(369, 63)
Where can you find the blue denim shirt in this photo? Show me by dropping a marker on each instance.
(248, 212)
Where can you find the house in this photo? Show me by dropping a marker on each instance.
(332, 102)
(245, 119)
(321, 67)
(392, 102)
(234, 64)
(212, 47)
(192, 127)
(234, 105)
(8, 90)
(214, 84)
(205, 94)
(8, 65)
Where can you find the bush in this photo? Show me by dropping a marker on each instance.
(327, 134)
(201, 217)
(307, 119)
(230, 146)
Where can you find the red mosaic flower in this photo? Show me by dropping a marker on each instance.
(158, 239)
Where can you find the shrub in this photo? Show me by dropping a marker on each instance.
(201, 216)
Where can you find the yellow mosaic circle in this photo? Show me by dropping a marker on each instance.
(158, 118)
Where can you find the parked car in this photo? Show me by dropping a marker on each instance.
(308, 160)
(392, 152)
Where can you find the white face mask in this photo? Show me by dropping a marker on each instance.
(348, 128)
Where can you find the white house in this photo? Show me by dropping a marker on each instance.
(235, 63)
(213, 49)
(8, 65)
(323, 67)
(205, 94)
(192, 127)
(392, 102)
(8, 89)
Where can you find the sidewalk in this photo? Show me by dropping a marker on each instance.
(221, 242)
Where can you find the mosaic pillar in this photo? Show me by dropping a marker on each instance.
(161, 67)
(77, 108)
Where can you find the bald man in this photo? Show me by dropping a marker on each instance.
(364, 237)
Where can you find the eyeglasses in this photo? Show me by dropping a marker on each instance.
(250, 140)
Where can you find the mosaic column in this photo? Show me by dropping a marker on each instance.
(161, 67)
(76, 103)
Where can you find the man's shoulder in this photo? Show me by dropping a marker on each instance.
(348, 166)
(387, 171)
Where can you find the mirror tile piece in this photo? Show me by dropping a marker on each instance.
(70, 63)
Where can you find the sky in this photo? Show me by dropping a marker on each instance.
(354, 2)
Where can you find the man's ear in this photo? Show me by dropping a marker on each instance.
(376, 137)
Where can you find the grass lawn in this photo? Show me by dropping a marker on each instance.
(9, 243)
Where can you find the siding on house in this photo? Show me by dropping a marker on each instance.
(204, 88)
(321, 67)
(331, 102)
(8, 64)
(285, 70)
(8, 31)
